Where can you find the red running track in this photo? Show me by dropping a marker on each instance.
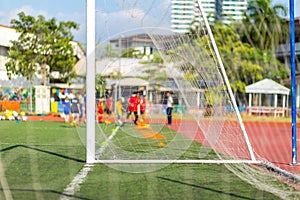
(271, 141)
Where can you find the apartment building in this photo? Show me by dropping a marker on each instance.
(184, 12)
(231, 10)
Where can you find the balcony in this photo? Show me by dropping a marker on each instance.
(284, 49)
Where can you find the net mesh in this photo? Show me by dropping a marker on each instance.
(184, 64)
(146, 56)
(201, 93)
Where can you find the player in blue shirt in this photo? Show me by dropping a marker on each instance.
(75, 110)
(67, 109)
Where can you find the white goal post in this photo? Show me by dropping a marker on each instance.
(90, 80)
(207, 129)
(91, 105)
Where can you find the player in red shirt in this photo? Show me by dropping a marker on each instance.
(137, 108)
(100, 111)
(131, 102)
(109, 107)
(143, 106)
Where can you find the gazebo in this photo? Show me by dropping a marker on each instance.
(267, 97)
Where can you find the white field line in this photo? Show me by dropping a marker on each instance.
(103, 147)
(4, 183)
(74, 186)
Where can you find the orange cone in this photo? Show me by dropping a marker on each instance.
(161, 144)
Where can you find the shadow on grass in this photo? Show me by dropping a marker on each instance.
(201, 187)
(43, 151)
(47, 191)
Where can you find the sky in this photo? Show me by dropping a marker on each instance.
(111, 17)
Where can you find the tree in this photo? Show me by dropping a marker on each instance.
(100, 84)
(246, 64)
(131, 53)
(44, 46)
(264, 25)
(238, 58)
(154, 69)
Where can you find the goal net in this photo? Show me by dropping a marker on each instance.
(142, 57)
(187, 66)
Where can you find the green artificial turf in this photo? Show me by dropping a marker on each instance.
(39, 159)
(176, 181)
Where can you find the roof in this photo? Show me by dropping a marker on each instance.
(129, 82)
(267, 86)
(107, 66)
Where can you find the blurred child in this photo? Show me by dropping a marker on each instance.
(100, 111)
(82, 101)
(130, 110)
(75, 110)
(137, 107)
(16, 116)
(119, 107)
(67, 109)
(108, 108)
(143, 107)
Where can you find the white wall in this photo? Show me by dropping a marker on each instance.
(7, 34)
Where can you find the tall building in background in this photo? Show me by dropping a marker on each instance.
(212, 9)
(184, 12)
(232, 10)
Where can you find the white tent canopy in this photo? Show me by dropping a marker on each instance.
(268, 87)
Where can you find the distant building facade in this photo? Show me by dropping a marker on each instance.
(283, 53)
(6, 34)
(139, 42)
(184, 12)
(228, 10)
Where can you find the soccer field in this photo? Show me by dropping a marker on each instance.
(39, 159)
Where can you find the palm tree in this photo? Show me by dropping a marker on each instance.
(264, 25)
